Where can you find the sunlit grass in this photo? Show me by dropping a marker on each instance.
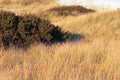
(96, 60)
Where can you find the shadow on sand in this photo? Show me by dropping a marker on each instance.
(75, 37)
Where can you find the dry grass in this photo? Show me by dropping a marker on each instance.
(96, 57)
(23, 2)
(33, 8)
(96, 60)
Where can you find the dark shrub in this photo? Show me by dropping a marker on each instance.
(21, 31)
(69, 10)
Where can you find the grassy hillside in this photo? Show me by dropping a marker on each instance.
(22, 7)
(94, 57)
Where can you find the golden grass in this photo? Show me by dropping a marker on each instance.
(96, 60)
(96, 57)
(33, 8)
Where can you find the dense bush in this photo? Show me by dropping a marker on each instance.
(69, 10)
(21, 31)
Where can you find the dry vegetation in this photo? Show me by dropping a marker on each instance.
(95, 57)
